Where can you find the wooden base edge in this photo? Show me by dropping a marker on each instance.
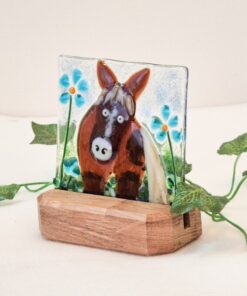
(115, 224)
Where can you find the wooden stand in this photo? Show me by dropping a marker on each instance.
(115, 224)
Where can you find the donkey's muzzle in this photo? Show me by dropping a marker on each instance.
(101, 149)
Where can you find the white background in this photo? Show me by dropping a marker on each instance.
(207, 36)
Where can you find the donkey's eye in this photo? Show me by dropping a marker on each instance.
(120, 119)
(105, 112)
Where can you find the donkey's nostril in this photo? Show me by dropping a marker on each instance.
(101, 149)
(104, 151)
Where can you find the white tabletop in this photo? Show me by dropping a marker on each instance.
(215, 264)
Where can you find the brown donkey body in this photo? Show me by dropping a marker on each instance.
(109, 139)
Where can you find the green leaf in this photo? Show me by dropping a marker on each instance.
(110, 188)
(69, 183)
(234, 147)
(244, 173)
(56, 182)
(45, 134)
(113, 181)
(9, 191)
(182, 167)
(62, 133)
(192, 196)
(170, 182)
(75, 185)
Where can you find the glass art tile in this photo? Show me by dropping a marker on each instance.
(122, 128)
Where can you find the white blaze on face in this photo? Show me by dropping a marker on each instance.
(110, 119)
(101, 147)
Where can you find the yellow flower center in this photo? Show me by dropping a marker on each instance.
(165, 127)
(72, 90)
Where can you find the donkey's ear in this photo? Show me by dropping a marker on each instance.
(105, 75)
(137, 82)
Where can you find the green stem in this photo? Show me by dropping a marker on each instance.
(34, 183)
(217, 218)
(70, 178)
(39, 188)
(231, 193)
(43, 185)
(220, 218)
(66, 140)
(233, 176)
(173, 161)
(214, 217)
(235, 225)
(237, 188)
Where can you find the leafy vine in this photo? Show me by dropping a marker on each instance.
(189, 196)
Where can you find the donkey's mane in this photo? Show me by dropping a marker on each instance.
(117, 94)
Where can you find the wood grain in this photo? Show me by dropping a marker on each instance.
(114, 223)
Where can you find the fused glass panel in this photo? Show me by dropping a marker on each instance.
(122, 128)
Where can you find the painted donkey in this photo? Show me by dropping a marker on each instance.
(110, 138)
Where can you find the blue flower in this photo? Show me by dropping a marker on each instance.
(71, 167)
(162, 128)
(73, 86)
